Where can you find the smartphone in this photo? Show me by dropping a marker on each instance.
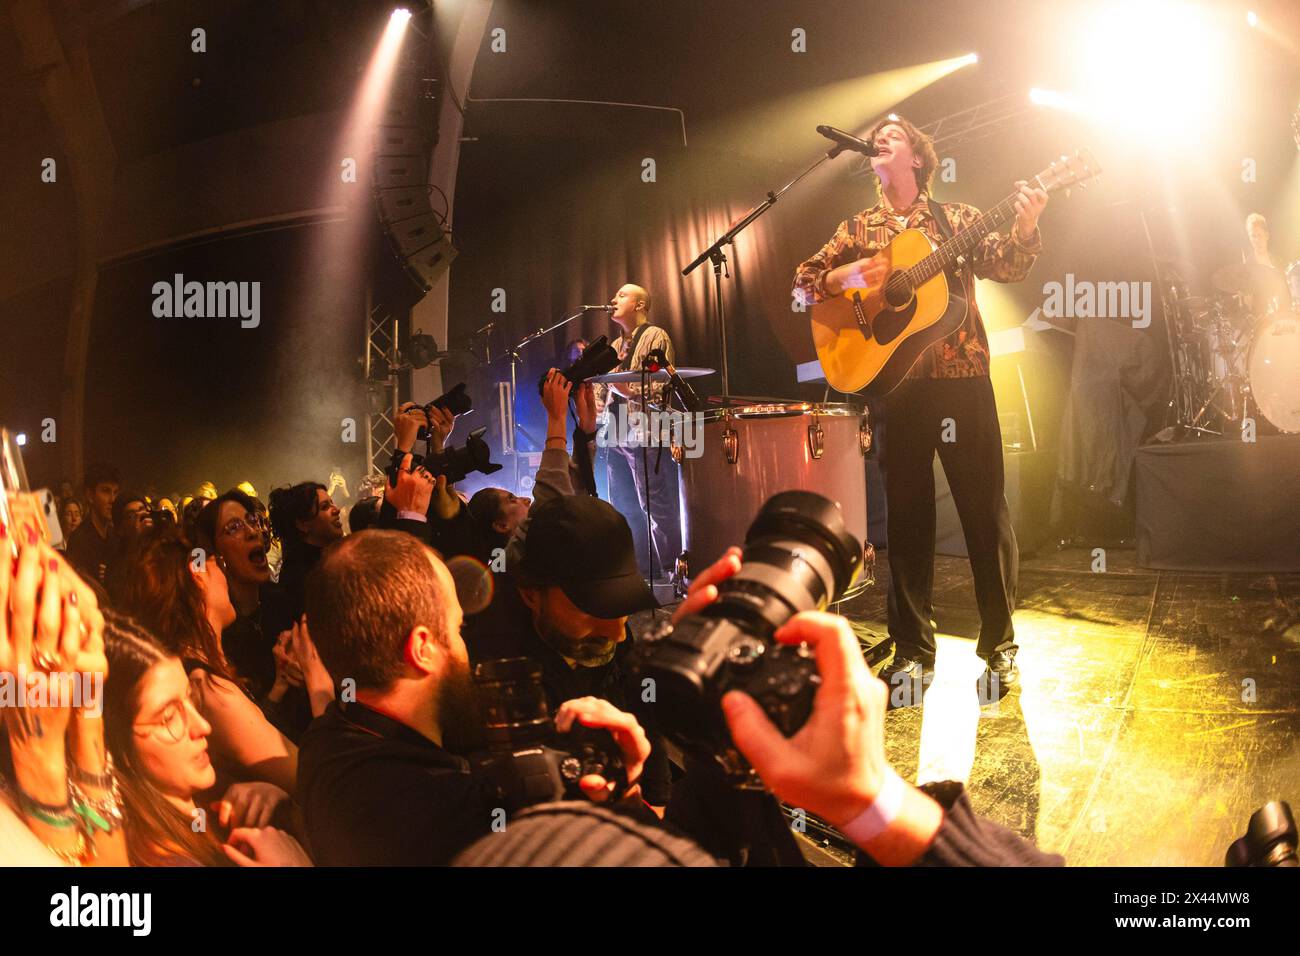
(21, 508)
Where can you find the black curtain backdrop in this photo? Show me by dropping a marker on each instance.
(176, 401)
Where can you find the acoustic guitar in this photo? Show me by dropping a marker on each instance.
(869, 339)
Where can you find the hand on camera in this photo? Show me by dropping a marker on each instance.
(441, 422)
(835, 765)
(627, 733)
(704, 589)
(407, 427)
(555, 399)
(413, 489)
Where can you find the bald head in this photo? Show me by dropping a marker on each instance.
(631, 306)
(365, 597)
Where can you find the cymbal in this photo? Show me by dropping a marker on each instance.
(635, 378)
(1248, 278)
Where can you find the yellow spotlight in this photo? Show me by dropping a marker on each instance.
(849, 104)
(400, 15)
(1252, 18)
(1151, 69)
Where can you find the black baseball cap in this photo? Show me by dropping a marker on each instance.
(583, 546)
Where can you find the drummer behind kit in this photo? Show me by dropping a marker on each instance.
(1238, 348)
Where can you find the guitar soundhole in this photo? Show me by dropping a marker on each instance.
(898, 291)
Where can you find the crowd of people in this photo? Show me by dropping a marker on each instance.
(224, 681)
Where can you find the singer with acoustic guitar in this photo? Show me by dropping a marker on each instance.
(936, 390)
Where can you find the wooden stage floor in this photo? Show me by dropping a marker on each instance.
(1157, 710)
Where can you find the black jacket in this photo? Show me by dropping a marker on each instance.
(374, 792)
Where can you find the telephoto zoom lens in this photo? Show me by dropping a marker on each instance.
(797, 556)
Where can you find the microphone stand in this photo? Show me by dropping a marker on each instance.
(516, 358)
(715, 255)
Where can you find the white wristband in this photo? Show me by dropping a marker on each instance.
(874, 820)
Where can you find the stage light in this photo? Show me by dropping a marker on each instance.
(1151, 69)
(401, 15)
(1252, 18)
(970, 58)
(21, 439)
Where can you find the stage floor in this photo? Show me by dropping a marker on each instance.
(1157, 710)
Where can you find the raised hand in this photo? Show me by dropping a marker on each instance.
(413, 488)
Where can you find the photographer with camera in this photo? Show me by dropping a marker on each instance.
(382, 779)
(756, 680)
(570, 585)
(765, 690)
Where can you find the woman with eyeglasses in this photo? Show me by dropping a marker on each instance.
(279, 671)
(180, 594)
(159, 743)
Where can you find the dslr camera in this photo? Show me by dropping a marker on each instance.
(454, 400)
(596, 359)
(455, 463)
(527, 761)
(797, 556)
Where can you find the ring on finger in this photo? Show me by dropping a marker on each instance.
(46, 662)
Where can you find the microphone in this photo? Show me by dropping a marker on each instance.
(656, 360)
(487, 328)
(845, 141)
(597, 308)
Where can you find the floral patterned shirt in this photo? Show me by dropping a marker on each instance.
(965, 353)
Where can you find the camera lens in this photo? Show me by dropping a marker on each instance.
(512, 702)
(798, 556)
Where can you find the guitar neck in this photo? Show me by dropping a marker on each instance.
(964, 243)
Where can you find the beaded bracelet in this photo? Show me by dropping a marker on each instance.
(59, 817)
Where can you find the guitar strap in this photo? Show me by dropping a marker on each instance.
(940, 218)
(626, 363)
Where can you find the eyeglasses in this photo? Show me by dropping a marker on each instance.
(174, 722)
(252, 523)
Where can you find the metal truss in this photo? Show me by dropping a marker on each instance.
(956, 130)
(381, 361)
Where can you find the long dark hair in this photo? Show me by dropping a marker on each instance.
(156, 831)
(289, 506)
(152, 583)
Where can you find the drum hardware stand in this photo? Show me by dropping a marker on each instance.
(715, 254)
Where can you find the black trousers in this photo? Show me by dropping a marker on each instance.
(958, 418)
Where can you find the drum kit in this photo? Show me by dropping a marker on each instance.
(1236, 352)
(751, 449)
